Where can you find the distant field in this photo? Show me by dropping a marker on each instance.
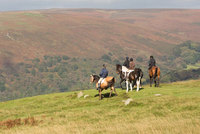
(196, 66)
(176, 111)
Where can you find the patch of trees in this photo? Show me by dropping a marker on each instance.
(188, 51)
(181, 75)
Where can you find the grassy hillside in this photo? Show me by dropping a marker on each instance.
(92, 33)
(176, 110)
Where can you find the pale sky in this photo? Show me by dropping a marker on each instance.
(9, 5)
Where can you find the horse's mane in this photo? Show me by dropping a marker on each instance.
(96, 77)
(118, 67)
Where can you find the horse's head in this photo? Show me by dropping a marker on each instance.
(91, 78)
(118, 68)
(94, 78)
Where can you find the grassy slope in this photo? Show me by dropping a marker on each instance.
(176, 111)
(196, 66)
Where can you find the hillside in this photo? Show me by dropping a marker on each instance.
(176, 110)
(92, 33)
(46, 51)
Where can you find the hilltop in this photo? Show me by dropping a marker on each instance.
(175, 110)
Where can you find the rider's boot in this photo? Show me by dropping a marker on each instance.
(99, 84)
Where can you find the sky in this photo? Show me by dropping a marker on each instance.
(12, 5)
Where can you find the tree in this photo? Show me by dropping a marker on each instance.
(106, 57)
(2, 86)
(33, 72)
(65, 57)
(176, 51)
(139, 59)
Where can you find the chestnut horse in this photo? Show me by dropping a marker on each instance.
(154, 74)
(105, 84)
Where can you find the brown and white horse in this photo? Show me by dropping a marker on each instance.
(133, 77)
(105, 84)
(154, 72)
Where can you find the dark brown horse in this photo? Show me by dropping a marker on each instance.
(154, 74)
(133, 77)
(105, 84)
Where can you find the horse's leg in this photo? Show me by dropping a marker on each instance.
(115, 90)
(121, 83)
(111, 89)
(126, 86)
(131, 86)
(158, 81)
(138, 84)
(99, 94)
(155, 82)
(151, 81)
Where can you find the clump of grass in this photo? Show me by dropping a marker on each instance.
(8, 124)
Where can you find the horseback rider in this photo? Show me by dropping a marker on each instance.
(126, 63)
(103, 74)
(152, 62)
(131, 64)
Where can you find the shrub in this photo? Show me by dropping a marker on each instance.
(139, 59)
(58, 58)
(63, 88)
(176, 51)
(110, 53)
(75, 67)
(65, 57)
(116, 61)
(36, 60)
(33, 72)
(46, 57)
(27, 71)
(28, 66)
(106, 57)
(73, 60)
(2, 86)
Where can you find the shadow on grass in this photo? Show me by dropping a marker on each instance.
(133, 88)
(106, 95)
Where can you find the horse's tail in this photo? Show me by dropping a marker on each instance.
(141, 73)
(113, 80)
(156, 71)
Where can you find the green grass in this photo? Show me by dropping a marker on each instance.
(177, 110)
(195, 66)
